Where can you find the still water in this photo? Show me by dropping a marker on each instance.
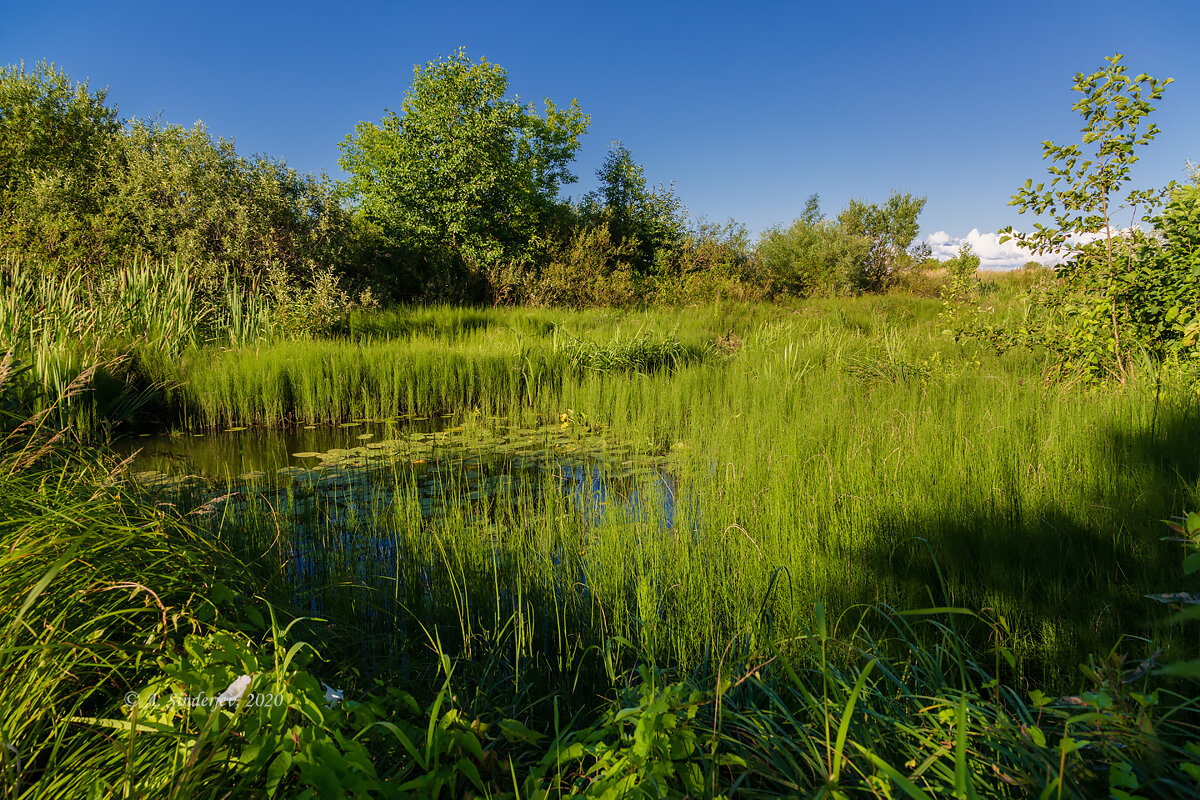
(359, 518)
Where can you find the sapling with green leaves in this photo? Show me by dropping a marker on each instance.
(1094, 218)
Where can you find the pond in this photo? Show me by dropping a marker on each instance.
(446, 464)
(375, 523)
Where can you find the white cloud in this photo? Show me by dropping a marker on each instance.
(992, 254)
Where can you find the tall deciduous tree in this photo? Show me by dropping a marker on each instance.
(462, 171)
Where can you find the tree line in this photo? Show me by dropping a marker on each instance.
(456, 196)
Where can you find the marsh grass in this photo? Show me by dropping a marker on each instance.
(847, 444)
(638, 653)
(437, 364)
(95, 587)
(641, 353)
(842, 451)
(129, 325)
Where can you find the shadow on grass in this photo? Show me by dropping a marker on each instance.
(1070, 579)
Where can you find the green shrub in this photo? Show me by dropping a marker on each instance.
(714, 261)
(649, 221)
(813, 257)
(589, 269)
(1108, 305)
(963, 270)
(79, 190)
(57, 144)
(179, 192)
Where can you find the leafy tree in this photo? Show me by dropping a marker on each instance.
(55, 139)
(178, 191)
(1097, 310)
(890, 229)
(963, 270)
(462, 172)
(812, 210)
(1166, 277)
(652, 218)
(813, 256)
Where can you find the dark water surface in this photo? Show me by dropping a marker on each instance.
(378, 524)
(238, 451)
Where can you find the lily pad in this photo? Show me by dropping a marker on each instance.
(297, 473)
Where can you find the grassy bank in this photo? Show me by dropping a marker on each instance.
(828, 463)
(119, 620)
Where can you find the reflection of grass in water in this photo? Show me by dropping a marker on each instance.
(458, 546)
(259, 449)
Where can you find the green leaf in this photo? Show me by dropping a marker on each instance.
(1036, 736)
(847, 716)
(1181, 669)
(278, 769)
(906, 785)
(514, 731)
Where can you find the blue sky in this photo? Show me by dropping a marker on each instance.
(747, 110)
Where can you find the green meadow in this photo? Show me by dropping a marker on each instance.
(432, 484)
(843, 451)
(751, 507)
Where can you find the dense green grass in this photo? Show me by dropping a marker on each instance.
(444, 360)
(107, 594)
(845, 451)
(95, 587)
(828, 462)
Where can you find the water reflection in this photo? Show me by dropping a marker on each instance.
(379, 525)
